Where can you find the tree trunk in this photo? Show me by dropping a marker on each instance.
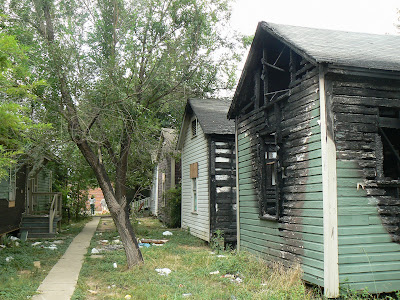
(128, 238)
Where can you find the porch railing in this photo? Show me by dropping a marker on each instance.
(55, 207)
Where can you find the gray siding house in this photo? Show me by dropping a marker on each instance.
(206, 141)
(318, 137)
(166, 173)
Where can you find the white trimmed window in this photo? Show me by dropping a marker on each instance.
(194, 174)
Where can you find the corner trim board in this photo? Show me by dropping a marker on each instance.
(329, 187)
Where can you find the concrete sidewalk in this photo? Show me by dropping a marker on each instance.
(61, 281)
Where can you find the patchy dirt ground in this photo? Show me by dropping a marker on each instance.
(106, 225)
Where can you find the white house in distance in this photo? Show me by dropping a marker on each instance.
(207, 143)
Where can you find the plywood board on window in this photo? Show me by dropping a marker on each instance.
(194, 167)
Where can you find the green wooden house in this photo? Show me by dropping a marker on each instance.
(27, 201)
(207, 145)
(318, 137)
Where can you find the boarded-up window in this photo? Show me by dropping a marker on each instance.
(194, 174)
(194, 170)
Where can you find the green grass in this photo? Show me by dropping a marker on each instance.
(19, 278)
(191, 262)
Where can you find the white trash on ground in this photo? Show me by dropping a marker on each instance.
(214, 273)
(163, 271)
(115, 265)
(36, 244)
(9, 258)
(167, 233)
(95, 251)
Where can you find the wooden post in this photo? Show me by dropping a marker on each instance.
(329, 191)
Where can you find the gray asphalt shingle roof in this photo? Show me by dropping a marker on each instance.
(212, 115)
(342, 48)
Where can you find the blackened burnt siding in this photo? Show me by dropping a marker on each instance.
(368, 256)
(223, 186)
(297, 235)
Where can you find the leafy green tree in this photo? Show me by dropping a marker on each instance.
(17, 130)
(114, 66)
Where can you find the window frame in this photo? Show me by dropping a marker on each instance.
(194, 125)
(269, 176)
(194, 174)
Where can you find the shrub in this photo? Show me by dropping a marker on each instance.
(172, 209)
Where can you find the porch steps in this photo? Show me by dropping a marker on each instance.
(38, 226)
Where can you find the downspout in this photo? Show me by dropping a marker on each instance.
(237, 186)
(329, 192)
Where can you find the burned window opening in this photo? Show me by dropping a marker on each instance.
(389, 131)
(269, 196)
(391, 158)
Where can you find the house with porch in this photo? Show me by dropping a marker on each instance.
(27, 201)
(317, 117)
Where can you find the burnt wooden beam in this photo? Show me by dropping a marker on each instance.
(264, 62)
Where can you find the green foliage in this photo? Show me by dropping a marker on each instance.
(217, 241)
(172, 208)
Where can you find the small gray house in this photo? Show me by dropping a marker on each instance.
(166, 173)
(207, 143)
(318, 137)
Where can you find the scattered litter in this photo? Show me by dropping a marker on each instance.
(51, 247)
(92, 292)
(95, 251)
(115, 265)
(14, 238)
(128, 297)
(264, 284)
(214, 273)
(36, 264)
(58, 242)
(180, 285)
(141, 245)
(221, 255)
(2, 247)
(167, 233)
(157, 244)
(163, 271)
(212, 253)
(16, 244)
(111, 286)
(139, 223)
(233, 278)
(36, 244)
(153, 241)
(186, 295)
(239, 280)
(104, 241)
(9, 258)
